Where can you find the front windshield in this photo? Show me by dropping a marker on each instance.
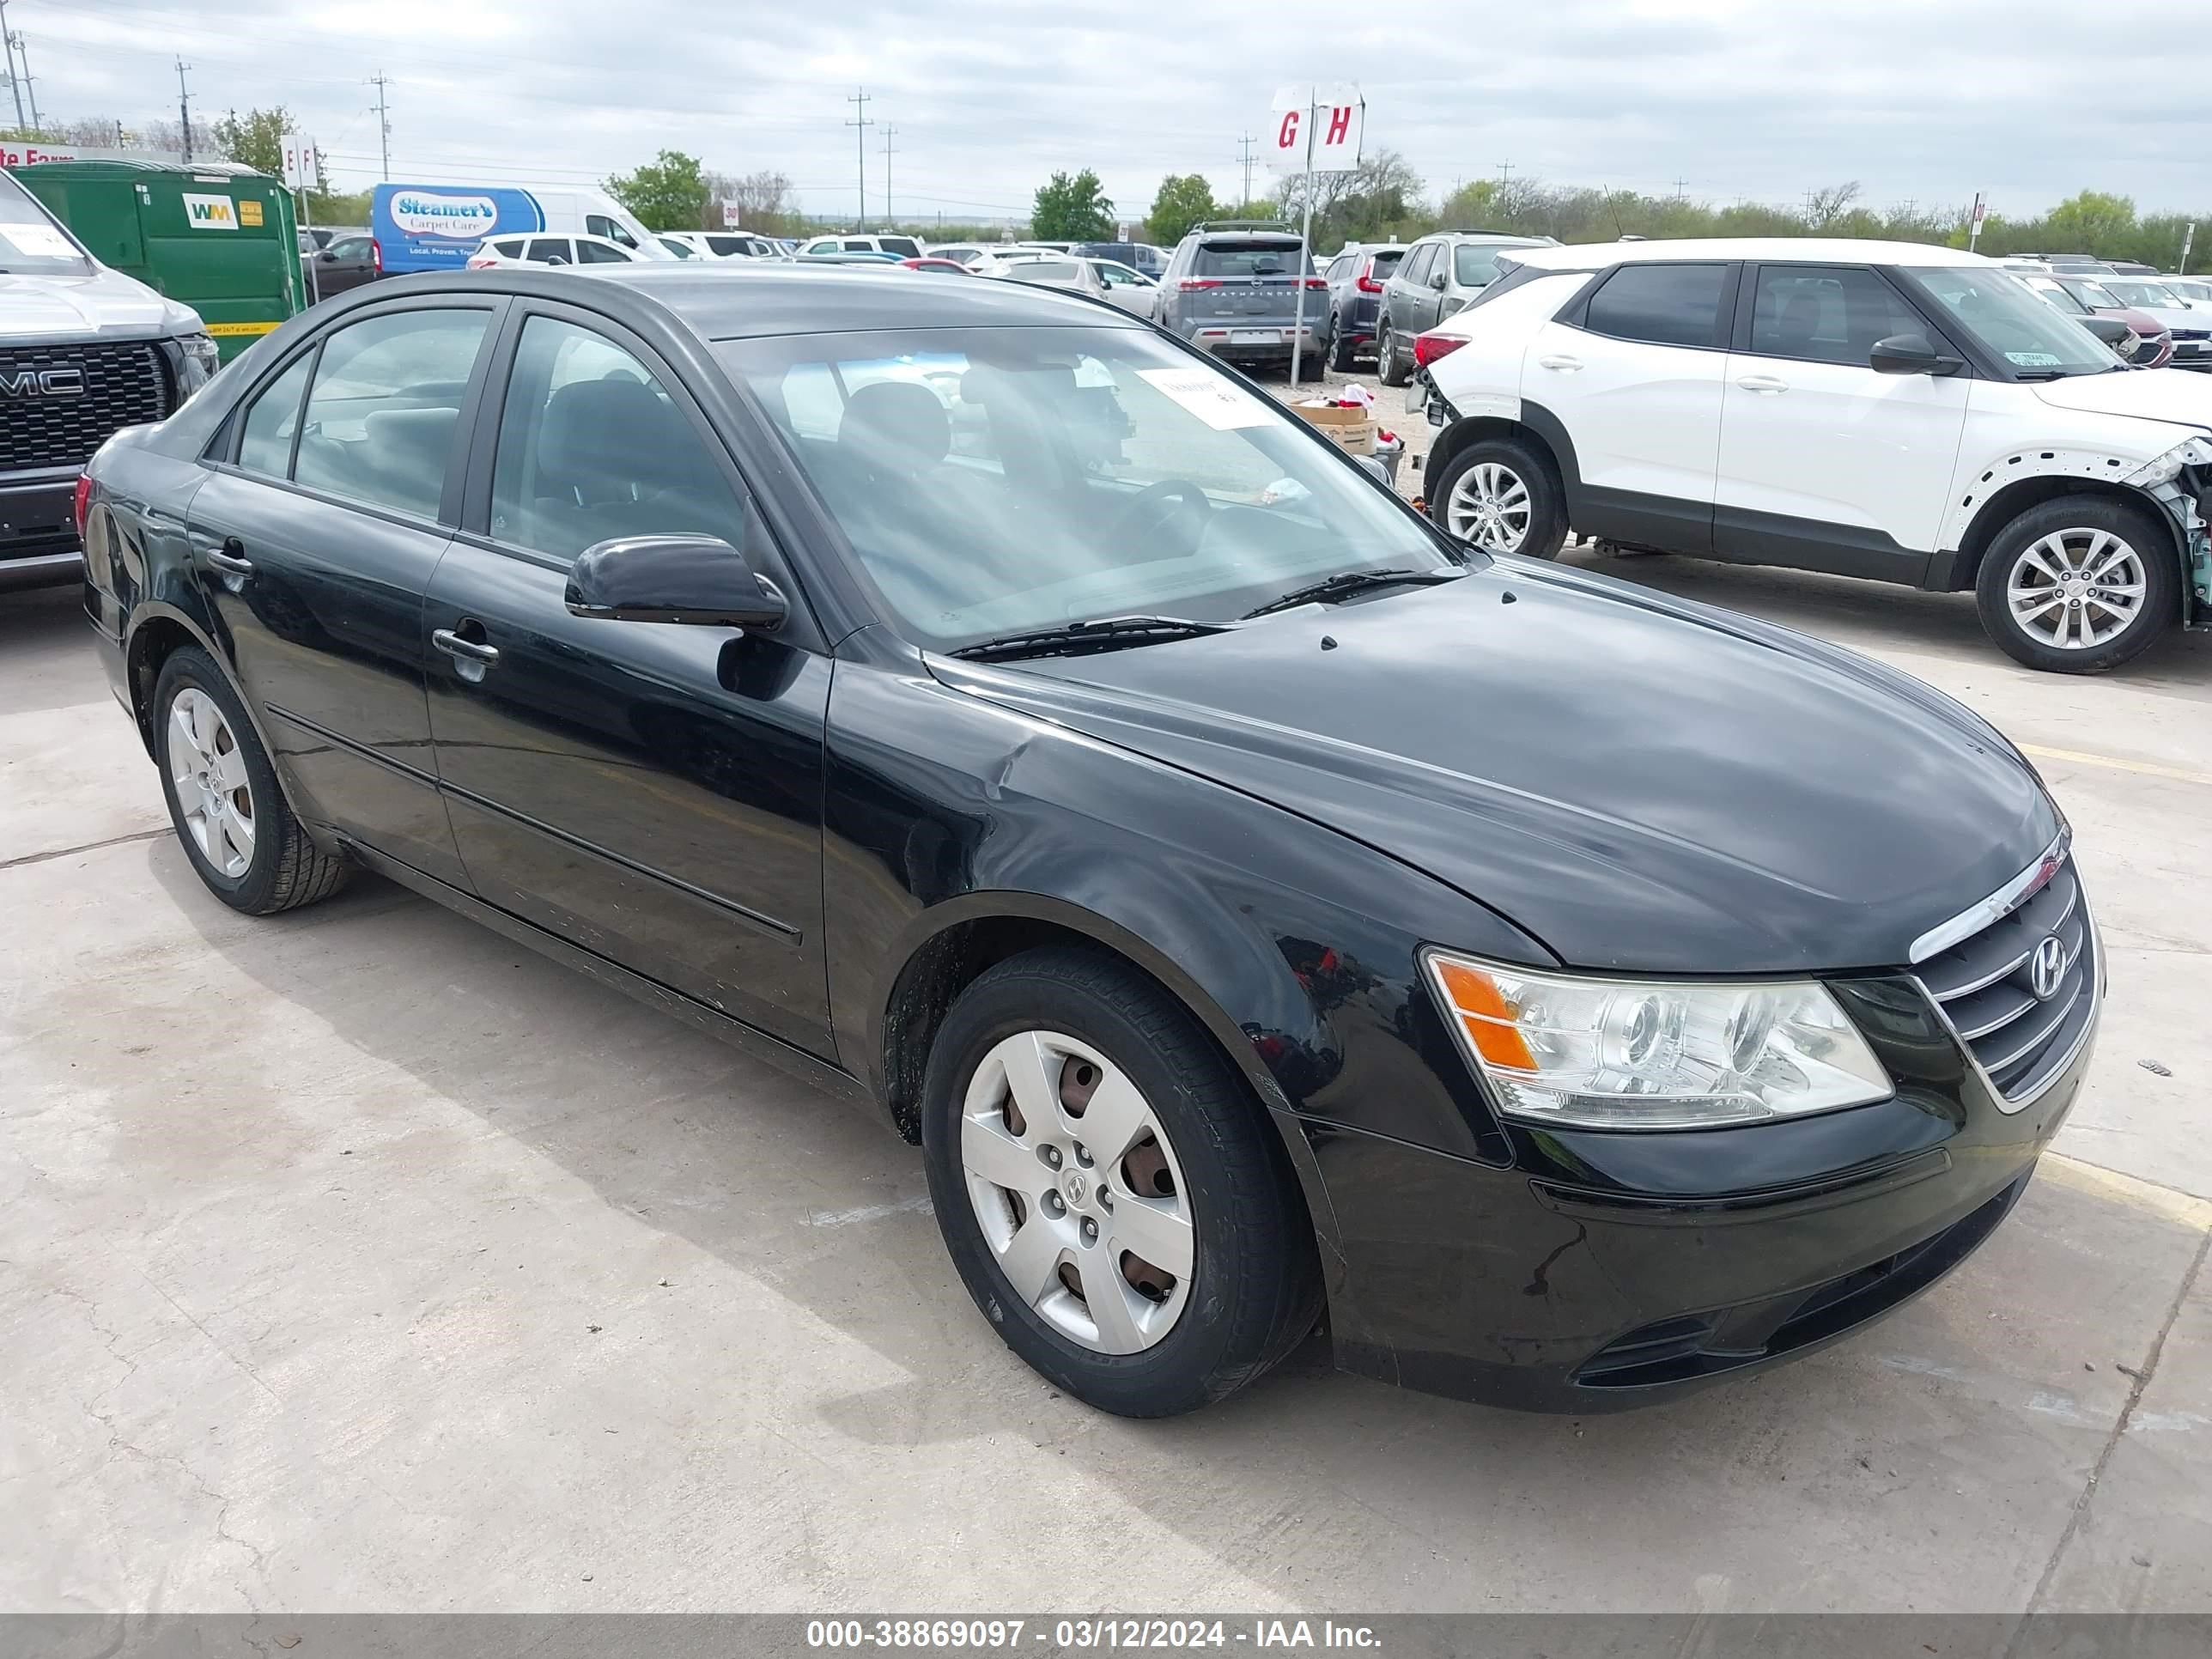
(2009, 322)
(2095, 294)
(30, 245)
(2133, 291)
(996, 481)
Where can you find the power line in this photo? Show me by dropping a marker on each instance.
(184, 109)
(889, 132)
(382, 81)
(859, 99)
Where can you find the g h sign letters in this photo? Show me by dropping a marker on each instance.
(1329, 119)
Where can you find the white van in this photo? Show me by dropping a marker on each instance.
(437, 226)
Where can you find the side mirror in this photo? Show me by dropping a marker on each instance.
(1437, 282)
(1910, 354)
(2111, 330)
(672, 578)
(1374, 469)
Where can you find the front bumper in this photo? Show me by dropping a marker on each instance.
(37, 529)
(1597, 1271)
(2192, 354)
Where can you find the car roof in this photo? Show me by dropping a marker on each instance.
(1794, 250)
(737, 300)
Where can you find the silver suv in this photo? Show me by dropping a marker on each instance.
(1233, 291)
(1438, 275)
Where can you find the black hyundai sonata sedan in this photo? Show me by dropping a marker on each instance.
(1263, 911)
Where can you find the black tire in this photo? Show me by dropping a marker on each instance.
(2066, 517)
(1386, 356)
(1256, 1286)
(286, 869)
(1310, 366)
(1339, 357)
(1547, 510)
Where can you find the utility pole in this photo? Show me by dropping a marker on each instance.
(382, 82)
(890, 132)
(1679, 184)
(8, 63)
(30, 83)
(861, 122)
(1505, 173)
(1245, 143)
(184, 110)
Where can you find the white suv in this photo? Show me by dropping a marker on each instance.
(1884, 409)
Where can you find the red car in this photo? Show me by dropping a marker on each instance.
(927, 262)
(2084, 297)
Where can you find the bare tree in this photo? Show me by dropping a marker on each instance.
(1824, 206)
(765, 198)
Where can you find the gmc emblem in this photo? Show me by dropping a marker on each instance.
(41, 383)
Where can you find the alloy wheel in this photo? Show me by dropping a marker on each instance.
(1076, 1192)
(2074, 590)
(1489, 507)
(207, 774)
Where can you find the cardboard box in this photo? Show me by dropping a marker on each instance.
(1352, 430)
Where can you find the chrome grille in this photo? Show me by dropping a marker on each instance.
(124, 383)
(1985, 984)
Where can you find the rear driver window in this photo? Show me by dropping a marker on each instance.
(1666, 305)
(265, 445)
(387, 396)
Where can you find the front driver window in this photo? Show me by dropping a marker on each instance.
(592, 447)
(380, 416)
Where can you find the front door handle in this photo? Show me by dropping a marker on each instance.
(473, 656)
(1763, 383)
(230, 558)
(1570, 364)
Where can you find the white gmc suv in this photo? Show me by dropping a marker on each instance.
(1885, 409)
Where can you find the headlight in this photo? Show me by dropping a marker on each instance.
(202, 359)
(2192, 451)
(1617, 1054)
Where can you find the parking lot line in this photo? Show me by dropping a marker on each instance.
(2149, 768)
(2146, 1196)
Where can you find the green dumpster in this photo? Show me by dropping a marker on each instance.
(218, 237)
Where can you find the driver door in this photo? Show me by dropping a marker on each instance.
(650, 792)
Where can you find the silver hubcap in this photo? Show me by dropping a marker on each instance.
(1489, 507)
(1078, 1192)
(2075, 589)
(207, 774)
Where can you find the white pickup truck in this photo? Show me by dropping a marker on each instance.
(84, 351)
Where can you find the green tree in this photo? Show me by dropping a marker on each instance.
(1073, 209)
(671, 193)
(255, 139)
(2092, 222)
(1184, 199)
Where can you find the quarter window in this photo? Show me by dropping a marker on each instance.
(1665, 305)
(265, 444)
(1827, 314)
(591, 447)
(381, 415)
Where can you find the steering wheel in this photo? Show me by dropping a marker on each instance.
(1158, 505)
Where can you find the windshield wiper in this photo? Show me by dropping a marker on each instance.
(1347, 583)
(1104, 634)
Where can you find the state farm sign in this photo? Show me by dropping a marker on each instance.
(1315, 128)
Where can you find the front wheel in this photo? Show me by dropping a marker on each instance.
(1499, 494)
(2079, 585)
(1108, 1191)
(1386, 356)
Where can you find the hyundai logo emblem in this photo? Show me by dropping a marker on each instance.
(2046, 967)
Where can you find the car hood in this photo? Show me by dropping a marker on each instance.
(103, 305)
(1641, 783)
(2180, 396)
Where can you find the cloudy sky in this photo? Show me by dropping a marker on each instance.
(1926, 100)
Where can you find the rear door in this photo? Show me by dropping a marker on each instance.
(329, 504)
(650, 792)
(1249, 284)
(1825, 464)
(1413, 302)
(1634, 371)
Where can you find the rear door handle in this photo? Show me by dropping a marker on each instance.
(1765, 383)
(1568, 363)
(230, 558)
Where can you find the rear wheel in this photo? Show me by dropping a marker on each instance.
(1386, 356)
(2079, 585)
(1341, 356)
(1499, 493)
(229, 813)
(1109, 1192)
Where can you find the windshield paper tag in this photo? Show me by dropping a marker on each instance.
(1220, 403)
(2033, 359)
(41, 242)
